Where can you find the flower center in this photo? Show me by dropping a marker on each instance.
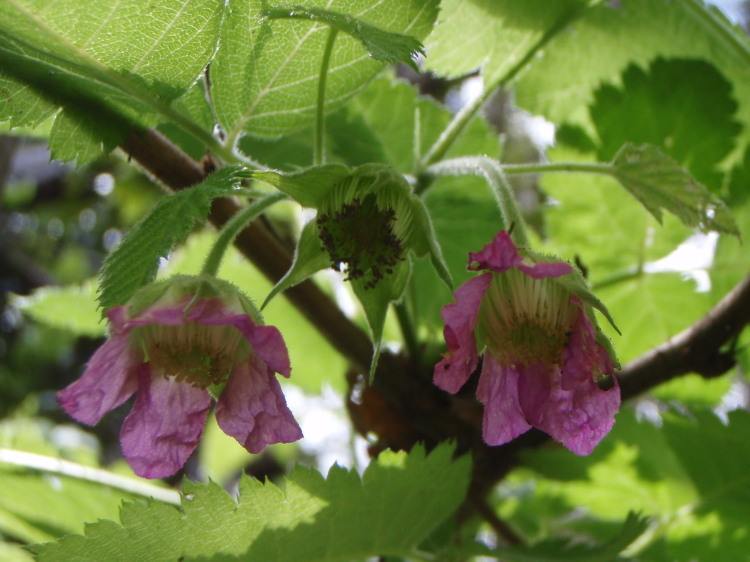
(360, 236)
(194, 353)
(524, 320)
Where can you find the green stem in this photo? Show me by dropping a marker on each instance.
(520, 169)
(90, 474)
(233, 227)
(320, 121)
(408, 330)
(492, 172)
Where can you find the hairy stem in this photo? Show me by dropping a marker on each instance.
(233, 227)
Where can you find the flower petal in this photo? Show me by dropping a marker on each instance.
(460, 319)
(579, 418)
(498, 391)
(164, 426)
(583, 358)
(252, 408)
(108, 381)
(499, 255)
(546, 270)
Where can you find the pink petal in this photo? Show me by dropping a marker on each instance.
(460, 319)
(266, 341)
(546, 270)
(499, 255)
(108, 381)
(583, 358)
(579, 418)
(498, 391)
(252, 408)
(164, 426)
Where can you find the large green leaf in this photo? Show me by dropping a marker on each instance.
(494, 35)
(114, 54)
(266, 72)
(610, 37)
(664, 107)
(398, 500)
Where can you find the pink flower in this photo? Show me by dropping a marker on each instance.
(541, 356)
(172, 342)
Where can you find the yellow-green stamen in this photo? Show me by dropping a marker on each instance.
(525, 320)
(194, 353)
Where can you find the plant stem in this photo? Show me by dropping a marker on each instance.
(320, 122)
(88, 473)
(492, 172)
(541, 168)
(233, 227)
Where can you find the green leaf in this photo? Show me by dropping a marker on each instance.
(265, 73)
(658, 182)
(608, 38)
(70, 308)
(309, 257)
(555, 549)
(114, 54)
(308, 186)
(389, 122)
(134, 262)
(494, 35)
(401, 496)
(663, 107)
(382, 45)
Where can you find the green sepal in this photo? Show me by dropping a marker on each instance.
(424, 240)
(574, 283)
(309, 258)
(308, 187)
(375, 301)
(577, 285)
(198, 286)
(382, 45)
(659, 182)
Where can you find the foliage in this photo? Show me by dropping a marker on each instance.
(433, 109)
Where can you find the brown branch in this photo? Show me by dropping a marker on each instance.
(695, 350)
(174, 169)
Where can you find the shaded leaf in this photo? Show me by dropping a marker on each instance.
(660, 183)
(265, 73)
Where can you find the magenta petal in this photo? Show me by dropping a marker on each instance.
(460, 319)
(578, 418)
(266, 341)
(499, 255)
(546, 270)
(252, 408)
(498, 391)
(108, 381)
(583, 357)
(164, 426)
